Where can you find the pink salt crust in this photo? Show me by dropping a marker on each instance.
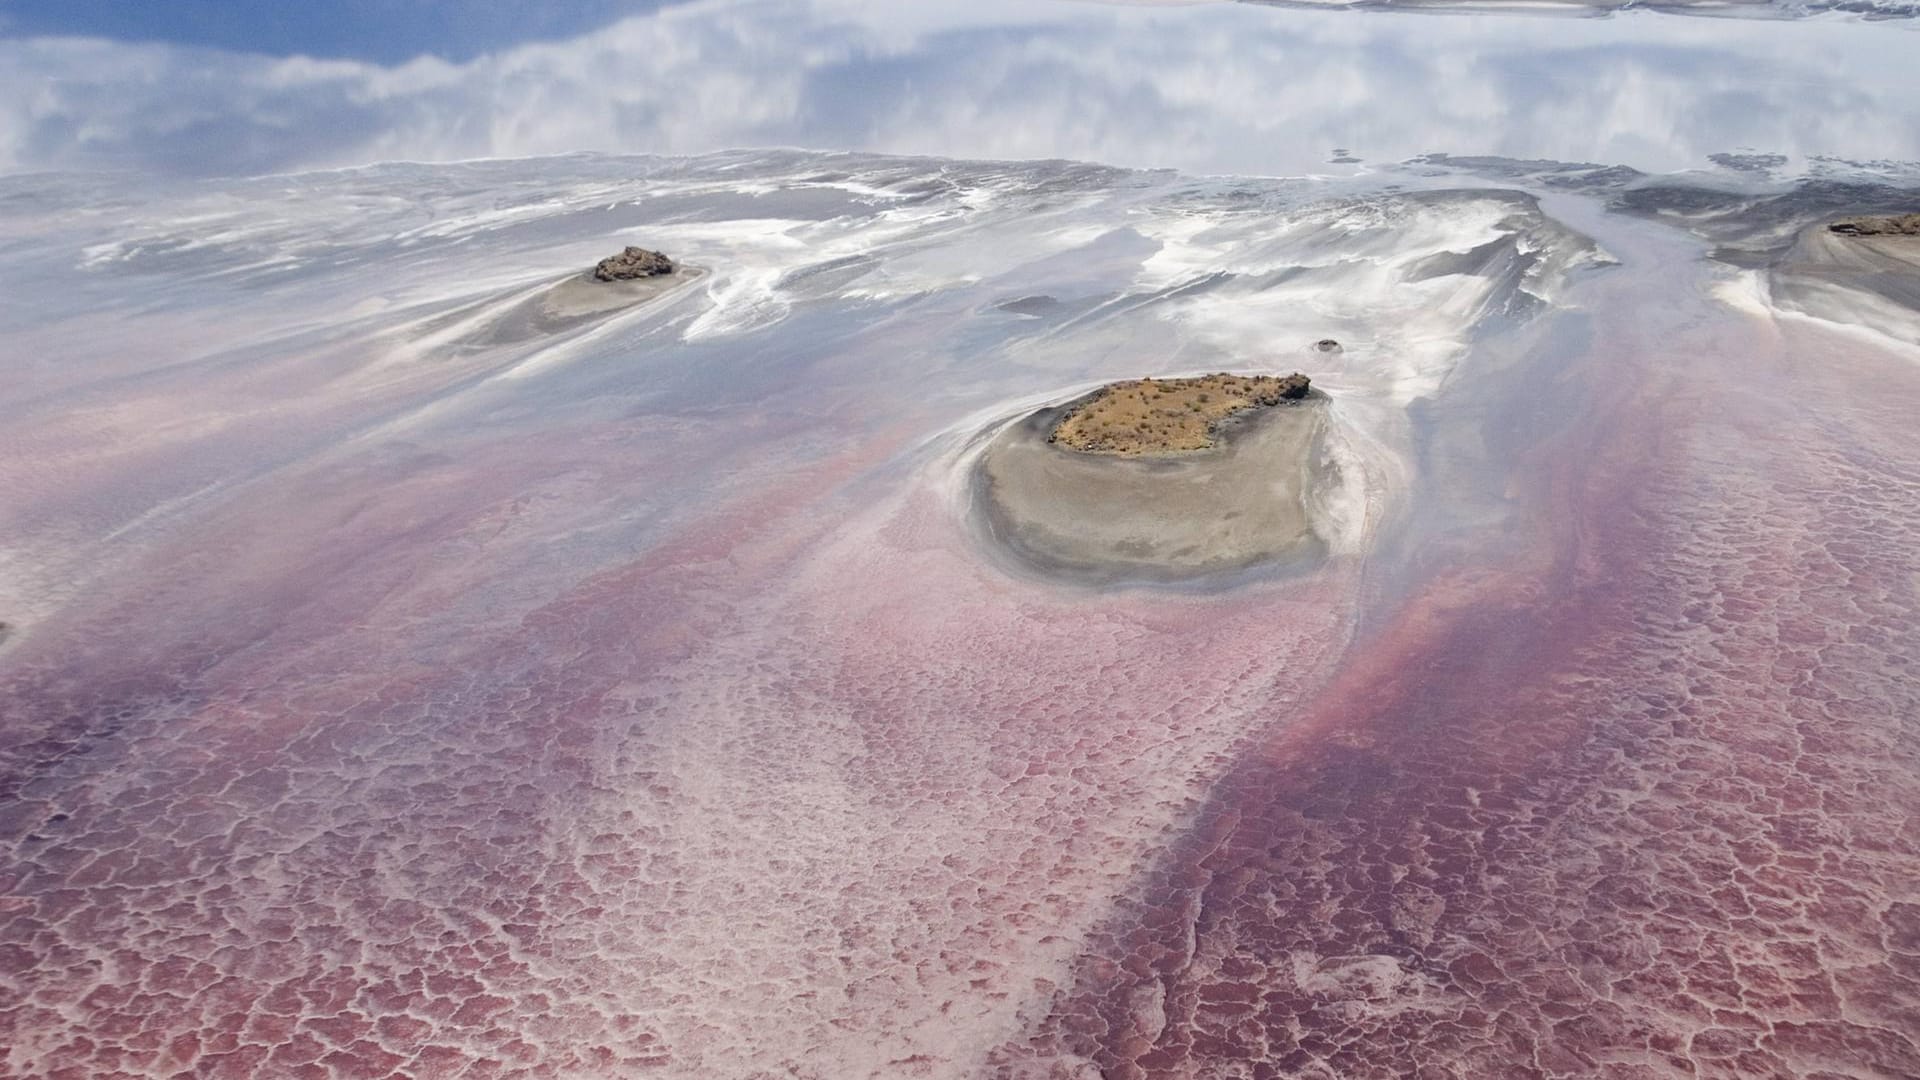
(798, 783)
(807, 788)
(1643, 806)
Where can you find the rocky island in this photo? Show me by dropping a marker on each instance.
(632, 264)
(1896, 225)
(1160, 416)
(1158, 480)
(583, 298)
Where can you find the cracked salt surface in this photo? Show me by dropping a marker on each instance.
(655, 711)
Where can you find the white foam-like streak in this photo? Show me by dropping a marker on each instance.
(1360, 479)
(1830, 305)
(1403, 336)
(1880, 324)
(415, 341)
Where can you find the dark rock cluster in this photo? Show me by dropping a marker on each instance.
(1901, 225)
(634, 262)
(1281, 388)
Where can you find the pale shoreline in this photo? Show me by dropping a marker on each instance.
(560, 306)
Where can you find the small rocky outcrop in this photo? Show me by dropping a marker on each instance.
(1899, 225)
(633, 263)
(1295, 386)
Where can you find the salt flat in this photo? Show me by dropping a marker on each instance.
(421, 661)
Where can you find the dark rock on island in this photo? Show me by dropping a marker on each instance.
(1900, 225)
(634, 262)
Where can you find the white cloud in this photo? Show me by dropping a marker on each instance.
(1219, 88)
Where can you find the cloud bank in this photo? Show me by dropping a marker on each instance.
(1226, 88)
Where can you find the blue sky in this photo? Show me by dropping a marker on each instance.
(381, 31)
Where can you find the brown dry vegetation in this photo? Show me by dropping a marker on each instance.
(1159, 416)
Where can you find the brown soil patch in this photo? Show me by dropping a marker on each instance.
(1160, 416)
(1901, 225)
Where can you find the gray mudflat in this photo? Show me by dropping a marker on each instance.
(1867, 281)
(575, 302)
(1104, 519)
(1885, 266)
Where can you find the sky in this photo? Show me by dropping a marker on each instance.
(191, 88)
(381, 31)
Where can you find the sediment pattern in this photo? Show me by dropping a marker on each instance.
(1652, 818)
(780, 841)
(392, 696)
